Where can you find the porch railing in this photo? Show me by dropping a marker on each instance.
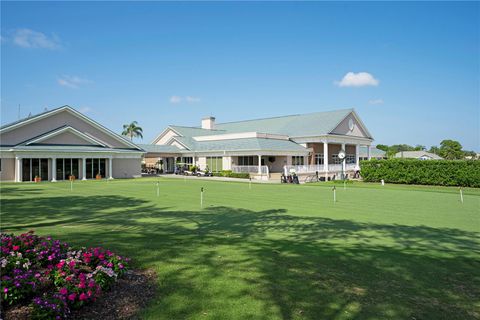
(303, 169)
(250, 169)
(314, 168)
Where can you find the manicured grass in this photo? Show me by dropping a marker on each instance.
(275, 251)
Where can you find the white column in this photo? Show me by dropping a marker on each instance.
(18, 172)
(357, 157)
(369, 156)
(84, 168)
(325, 159)
(344, 159)
(305, 160)
(259, 164)
(54, 169)
(110, 160)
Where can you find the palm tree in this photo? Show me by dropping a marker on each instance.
(132, 130)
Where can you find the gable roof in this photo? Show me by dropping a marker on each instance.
(417, 154)
(25, 121)
(298, 125)
(61, 130)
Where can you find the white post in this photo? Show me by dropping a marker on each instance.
(461, 195)
(344, 162)
(325, 159)
(54, 169)
(110, 175)
(357, 157)
(369, 156)
(18, 175)
(259, 164)
(334, 194)
(84, 168)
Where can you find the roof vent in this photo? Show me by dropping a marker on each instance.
(208, 123)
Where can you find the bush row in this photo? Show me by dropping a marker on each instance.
(464, 173)
(230, 174)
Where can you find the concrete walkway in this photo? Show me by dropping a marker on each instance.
(175, 176)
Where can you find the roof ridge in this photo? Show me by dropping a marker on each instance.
(32, 116)
(291, 115)
(189, 127)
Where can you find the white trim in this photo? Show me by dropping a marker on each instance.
(241, 135)
(76, 113)
(164, 132)
(79, 134)
(172, 139)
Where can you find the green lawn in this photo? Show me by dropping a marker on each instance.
(275, 251)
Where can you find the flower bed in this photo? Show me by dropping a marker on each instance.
(52, 277)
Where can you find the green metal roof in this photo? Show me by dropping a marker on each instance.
(299, 125)
(67, 148)
(247, 144)
(195, 131)
(155, 148)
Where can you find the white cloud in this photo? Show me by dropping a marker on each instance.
(188, 99)
(72, 82)
(85, 109)
(360, 79)
(192, 99)
(175, 99)
(27, 38)
(376, 101)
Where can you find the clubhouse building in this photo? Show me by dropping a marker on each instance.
(61, 143)
(266, 148)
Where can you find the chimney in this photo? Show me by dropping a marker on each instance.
(208, 123)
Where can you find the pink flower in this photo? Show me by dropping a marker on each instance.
(110, 265)
(60, 264)
(83, 296)
(69, 278)
(5, 290)
(72, 296)
(15, 248)
(120, 266)
(101, 257)
(63, 291)
(71, 264)
(89, 293)
(81, 285)
(91, 284)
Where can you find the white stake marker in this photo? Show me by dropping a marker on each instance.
(201, 198)
(158, 189)
(250, 183)
(461, 195)
(334, 194)
(383, 182)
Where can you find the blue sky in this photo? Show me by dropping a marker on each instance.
(411, 70)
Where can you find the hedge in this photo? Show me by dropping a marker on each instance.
(464, 173)
(230, 174)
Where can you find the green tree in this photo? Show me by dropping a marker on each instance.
(451, 150)
(383, 147)
(132, 130)
(419, 147)
(434, 149)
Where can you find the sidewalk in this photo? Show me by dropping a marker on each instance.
(174, 176)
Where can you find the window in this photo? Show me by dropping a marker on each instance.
(246, 161)
(187, 160)
(350, 159)
(336, 159)
(215, 164)
(94, 167)
(319, 158)
(32, 168)
(0, 165)
(298, 160)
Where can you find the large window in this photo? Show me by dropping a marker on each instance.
(319, 158)
(67, 167)
(350, 159)
(215, 164)
(298, 160)
(336, 159)
(94, 167)
(187, 160)
(32, 168)
(247, 161)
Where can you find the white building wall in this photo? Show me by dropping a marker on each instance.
(202, 162)
(227, 163)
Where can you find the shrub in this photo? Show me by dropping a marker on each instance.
(57, 276)
(464, 173)
(230, 174)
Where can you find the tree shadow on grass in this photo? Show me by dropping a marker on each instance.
(226, 262)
